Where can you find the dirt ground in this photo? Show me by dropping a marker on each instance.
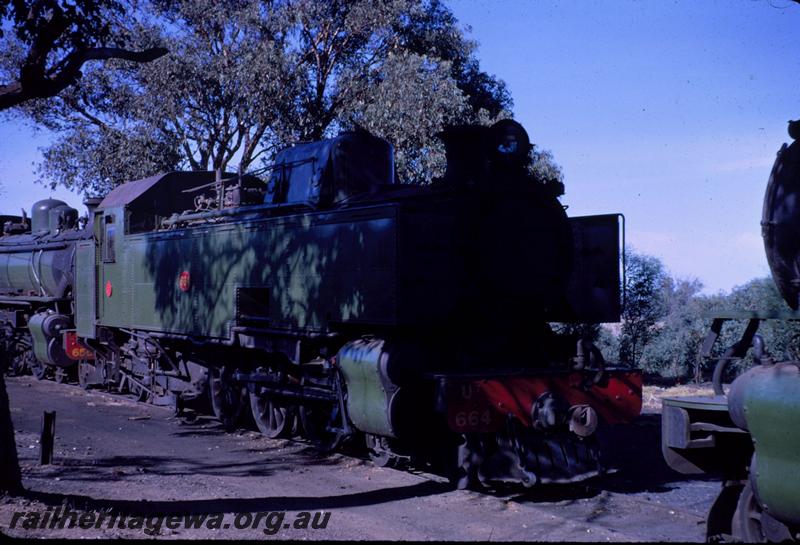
(116, 455)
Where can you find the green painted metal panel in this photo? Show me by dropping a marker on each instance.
(318, 268)
(772, 408)
(154, 268)
(38, 337)
(114, 290)
(368, 395)
(85, 290)
(44, 262)
(226, 257)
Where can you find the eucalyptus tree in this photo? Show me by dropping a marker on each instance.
(44, 44)
(245, 77)
(644, 305)
(211, 99)
(53, 40)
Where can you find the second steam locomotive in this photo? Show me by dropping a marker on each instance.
(413, 318)
(748, 435)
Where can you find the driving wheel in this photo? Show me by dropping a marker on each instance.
(273, 418)
(227, 399)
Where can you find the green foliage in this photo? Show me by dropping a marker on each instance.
(431, 29)
(44, 45)
(410, 83)
(608, 343)
(674, 348)
(666, 319)
(245, 78)
(645, 277)
(81, 23)
(543, 166)
(781, 338)
(83, 151)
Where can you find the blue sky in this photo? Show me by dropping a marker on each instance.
(669, 112)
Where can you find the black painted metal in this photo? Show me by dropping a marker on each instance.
(47, 438)
(735, 352)
(780, 223)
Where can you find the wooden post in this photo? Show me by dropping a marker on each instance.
(48, 438)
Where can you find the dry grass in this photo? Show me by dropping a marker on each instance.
(651, 396)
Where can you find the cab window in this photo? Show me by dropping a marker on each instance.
(109, 239)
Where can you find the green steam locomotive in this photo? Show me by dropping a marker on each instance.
(333, 301)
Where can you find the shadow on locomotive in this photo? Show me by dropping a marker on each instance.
(331, 301)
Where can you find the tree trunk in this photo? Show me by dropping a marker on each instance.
(10, 477)
(220, 187)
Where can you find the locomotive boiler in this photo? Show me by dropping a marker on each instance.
(36, 279)
(749, 435)
(335, 301)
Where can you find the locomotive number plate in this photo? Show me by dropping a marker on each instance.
(74, 349)
(470, 410)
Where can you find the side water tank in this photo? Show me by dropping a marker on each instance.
(40, 214)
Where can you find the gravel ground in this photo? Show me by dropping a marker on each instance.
(117, 455)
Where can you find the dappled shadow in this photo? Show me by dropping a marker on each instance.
(293, 271)
(231, 505)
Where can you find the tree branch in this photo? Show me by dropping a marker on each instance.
(104, 53)
(37, 84)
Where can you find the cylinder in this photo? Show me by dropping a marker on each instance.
(46, 332)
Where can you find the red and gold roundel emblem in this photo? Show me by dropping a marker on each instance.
(184, 281)
(109, 288)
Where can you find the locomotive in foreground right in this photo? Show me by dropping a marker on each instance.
(750, 435)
